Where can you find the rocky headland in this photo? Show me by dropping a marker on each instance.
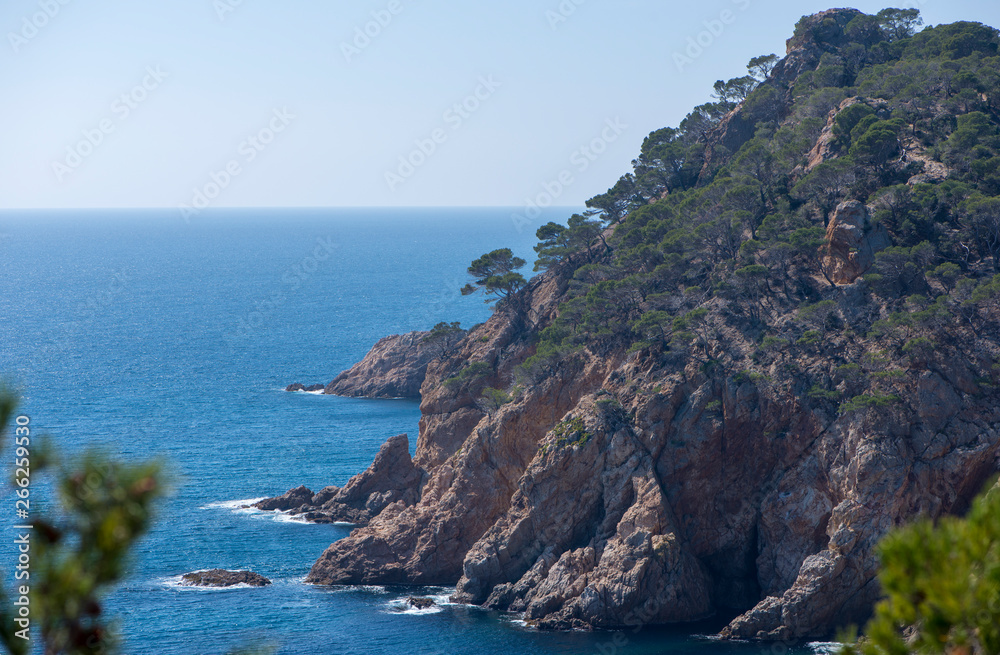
(394, 368)
(738, 444)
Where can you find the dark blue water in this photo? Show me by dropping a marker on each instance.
(155, 338)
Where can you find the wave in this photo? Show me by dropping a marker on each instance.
(517, 620)
(243, 507)
(235, 505)
(303, 391)
(364, 588)
(825, 647)
(443, 596)
(177, 582)
(282, 517)
(400, 606)
(440, 595)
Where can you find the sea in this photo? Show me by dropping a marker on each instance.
(147, 335)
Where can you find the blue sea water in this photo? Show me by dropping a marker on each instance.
(149, 336)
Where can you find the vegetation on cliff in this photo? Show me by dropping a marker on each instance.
(726, 220)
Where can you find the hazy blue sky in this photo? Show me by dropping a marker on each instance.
(218, 72)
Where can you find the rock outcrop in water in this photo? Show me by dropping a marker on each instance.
(298, 386)
(223, 578)
(745, 465)
(420, 603)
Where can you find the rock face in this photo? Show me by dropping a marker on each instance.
(392, 478)
(851, 243)
(394, 368)
(223, 578)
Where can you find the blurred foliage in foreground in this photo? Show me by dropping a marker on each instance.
(78, 557)
(942, 587)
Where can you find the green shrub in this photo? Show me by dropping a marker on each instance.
(848, 371)
(469, 374)
(79, 553)
(809, 338)
(819, 393)
(571, 432)
(941, 586)
(868, 401)
(491, 399)
(918, 346)
(749, 376)
(773, 343)
(817, 313)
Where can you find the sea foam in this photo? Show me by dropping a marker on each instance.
(244, 507)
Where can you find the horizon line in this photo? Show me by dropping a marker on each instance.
(283, 207)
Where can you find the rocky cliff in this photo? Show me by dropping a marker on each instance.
(622, 491)
(735, 446)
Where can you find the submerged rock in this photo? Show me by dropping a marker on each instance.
(420, 603)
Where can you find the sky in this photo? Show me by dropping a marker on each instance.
(329, 103)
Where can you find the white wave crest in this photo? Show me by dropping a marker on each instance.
(245, 507)
(234, 505)
(402, 606)
(364, 588)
